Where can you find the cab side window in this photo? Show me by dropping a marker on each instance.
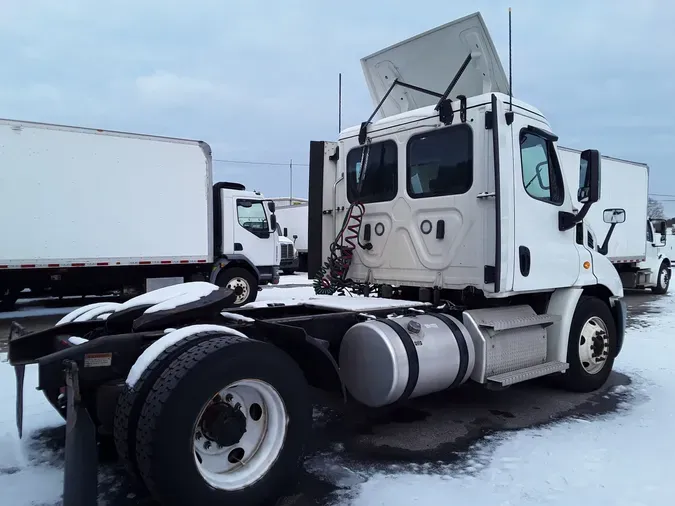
(542, 177)
(650, 236)
(380, 177)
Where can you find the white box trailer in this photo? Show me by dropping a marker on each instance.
(637, 246)
(86, 211)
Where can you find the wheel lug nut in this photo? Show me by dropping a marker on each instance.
(207, 445)
(198, 435)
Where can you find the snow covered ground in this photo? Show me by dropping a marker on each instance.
(622, 458)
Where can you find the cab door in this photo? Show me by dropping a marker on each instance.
(252, 235)
(545, 257)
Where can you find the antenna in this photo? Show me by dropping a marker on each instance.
(340, 102)
(510, 71)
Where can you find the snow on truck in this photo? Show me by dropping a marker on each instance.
(100, 211)
(619, 228)
(429, 211)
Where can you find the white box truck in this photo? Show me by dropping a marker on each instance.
(292, 221)
(88, 211)
(619, 227)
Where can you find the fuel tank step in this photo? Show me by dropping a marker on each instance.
(535, 371)
(519, 322)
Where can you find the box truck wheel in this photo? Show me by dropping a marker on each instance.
(131, 400)
(226, 423)
(663, 280)
(241, 282)
(591, 347)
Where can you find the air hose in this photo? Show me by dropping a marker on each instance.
(332, 276)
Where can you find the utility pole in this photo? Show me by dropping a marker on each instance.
(291, 183)
(340, 102)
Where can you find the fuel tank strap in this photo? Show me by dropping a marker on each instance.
(461, 346)
(411, 352)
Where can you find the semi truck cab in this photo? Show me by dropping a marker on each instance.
(460, 188)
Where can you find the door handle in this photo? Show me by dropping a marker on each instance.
(440, 229)
(485, 195)
(524, 255)
(366, 232)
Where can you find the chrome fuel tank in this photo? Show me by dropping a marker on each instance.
(388, 360)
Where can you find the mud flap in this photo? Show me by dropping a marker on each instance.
(20, 371)
(80, 483)
(16, 331)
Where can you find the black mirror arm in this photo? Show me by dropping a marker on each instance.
(605, 244)
(566, 221)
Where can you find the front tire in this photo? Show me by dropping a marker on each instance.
(226, 423)
(591, 347)
(241, 282)
(663, 280)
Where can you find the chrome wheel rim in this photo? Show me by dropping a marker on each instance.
(593, 345)
(254, 406)
(240, 287)
(664, 277)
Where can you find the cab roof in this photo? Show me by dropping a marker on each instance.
(428, 112)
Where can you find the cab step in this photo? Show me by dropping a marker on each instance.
(528, 373)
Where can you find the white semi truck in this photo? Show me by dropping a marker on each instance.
(87, 211)
(619, 227)
(474, 275)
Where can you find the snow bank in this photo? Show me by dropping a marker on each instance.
(155, 349)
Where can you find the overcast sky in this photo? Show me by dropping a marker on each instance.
(257, 80)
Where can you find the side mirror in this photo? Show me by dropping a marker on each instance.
(589, 177)
(285, 232)
(271, 206)
(659, 226)
(273, 221)
(614, 216)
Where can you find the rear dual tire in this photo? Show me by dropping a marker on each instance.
(156, 430)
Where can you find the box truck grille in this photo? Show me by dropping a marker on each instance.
(286, 251)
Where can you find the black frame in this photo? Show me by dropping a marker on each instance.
(432, 133)
(552, 160)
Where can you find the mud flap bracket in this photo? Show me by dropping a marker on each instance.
(80, 483)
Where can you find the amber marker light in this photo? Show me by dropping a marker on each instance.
(587, 265)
